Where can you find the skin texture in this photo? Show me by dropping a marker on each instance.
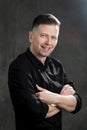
(43, 40)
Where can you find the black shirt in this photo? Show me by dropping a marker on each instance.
(24, 73)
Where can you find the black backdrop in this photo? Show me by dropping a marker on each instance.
(15, 22)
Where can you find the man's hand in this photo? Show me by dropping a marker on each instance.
(45, 96)
(67, 90)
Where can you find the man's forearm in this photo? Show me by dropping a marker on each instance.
(52, 111)
(66, 102)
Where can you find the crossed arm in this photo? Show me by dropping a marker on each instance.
(65, 100)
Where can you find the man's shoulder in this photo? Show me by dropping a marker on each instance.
(20, 62)
(18, 59)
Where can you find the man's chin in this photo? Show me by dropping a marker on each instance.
(45, 55)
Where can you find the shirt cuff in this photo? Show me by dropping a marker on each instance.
(79, 103)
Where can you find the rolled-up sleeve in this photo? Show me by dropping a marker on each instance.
(76, 94)
(79, 103)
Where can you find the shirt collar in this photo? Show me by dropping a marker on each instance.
(35, 61)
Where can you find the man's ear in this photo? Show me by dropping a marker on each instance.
(30, 36)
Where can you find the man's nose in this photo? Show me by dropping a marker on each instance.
(48, 41)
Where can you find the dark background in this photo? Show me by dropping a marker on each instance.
(15, 22)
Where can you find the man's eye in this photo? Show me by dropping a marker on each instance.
(54, 38)
(43, 35)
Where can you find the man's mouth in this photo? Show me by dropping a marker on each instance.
(45, 48)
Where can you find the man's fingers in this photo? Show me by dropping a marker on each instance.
(67, 89)
(39, 88)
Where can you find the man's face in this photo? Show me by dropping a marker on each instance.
(43, 40)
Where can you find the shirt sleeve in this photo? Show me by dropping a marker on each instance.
(23, 96)
(79, 103)
(66, 80)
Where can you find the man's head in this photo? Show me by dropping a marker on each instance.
(43, 36)
(48, 19)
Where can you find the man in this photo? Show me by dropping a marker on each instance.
(38, 84)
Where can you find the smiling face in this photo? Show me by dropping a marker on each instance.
(43, 39)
